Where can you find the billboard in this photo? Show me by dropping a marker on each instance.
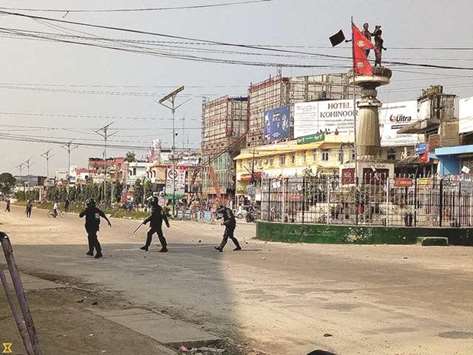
(178, 177)
(465, 115)
(394, 116)
(276, 124)
(323, 116)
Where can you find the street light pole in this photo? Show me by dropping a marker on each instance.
(172, 98)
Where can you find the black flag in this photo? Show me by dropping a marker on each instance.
(337, 38)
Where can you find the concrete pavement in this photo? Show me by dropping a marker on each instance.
(278, 298)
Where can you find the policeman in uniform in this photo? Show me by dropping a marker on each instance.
(229, 222)
(92, 222)
(156, 221)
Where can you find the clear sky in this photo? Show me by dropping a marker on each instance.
(75, 89)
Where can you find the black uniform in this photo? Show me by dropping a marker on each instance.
(29, 209)
(156, 221)
(230, 224)
(92, 223)
(7, 208)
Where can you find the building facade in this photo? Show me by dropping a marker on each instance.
(278, 91)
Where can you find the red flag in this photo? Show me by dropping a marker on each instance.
(361, 65)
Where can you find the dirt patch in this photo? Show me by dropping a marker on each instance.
(66, 327)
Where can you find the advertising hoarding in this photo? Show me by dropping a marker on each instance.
(465, 115)
(179, 176)
(394, 116)
(323, 116)
(276, 124)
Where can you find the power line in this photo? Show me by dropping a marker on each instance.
(145, 9)
(214, 60)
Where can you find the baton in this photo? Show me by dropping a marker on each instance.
(136, 230)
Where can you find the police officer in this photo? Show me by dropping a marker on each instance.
(29, 208)
(156, 221)
(230, 224)
(92, 222)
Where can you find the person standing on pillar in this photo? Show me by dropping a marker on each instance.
(229, 222)
(378, 45)
(367, 34)
(156, 219)
(92, 222)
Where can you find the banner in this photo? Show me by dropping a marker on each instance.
(276, 124)
(394, 116)
(335, 116)
(465, 115)
(178, 177)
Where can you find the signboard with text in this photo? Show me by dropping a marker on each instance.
(394, 116)
(323, 117)
(175, 177)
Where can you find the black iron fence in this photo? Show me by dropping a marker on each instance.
(402, 201)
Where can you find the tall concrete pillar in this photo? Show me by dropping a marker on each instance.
(368, 141)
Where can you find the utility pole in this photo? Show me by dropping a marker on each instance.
(69, 147)
(104, 133)
(47, 156)
(172, 98)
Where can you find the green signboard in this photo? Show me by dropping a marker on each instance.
(311, 138)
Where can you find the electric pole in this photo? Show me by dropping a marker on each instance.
(47, 156)
(104, 133)
(69, 147)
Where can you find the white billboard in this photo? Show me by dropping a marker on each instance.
(330, 116)
(394, 116)
(465, 115)
(176, 179)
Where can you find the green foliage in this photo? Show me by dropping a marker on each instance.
(130, 157)
(7, 182)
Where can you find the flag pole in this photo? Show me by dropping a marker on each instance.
(354, 121)
(354, 99)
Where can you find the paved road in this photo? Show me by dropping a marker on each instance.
(281, 299)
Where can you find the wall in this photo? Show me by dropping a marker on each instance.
(343, 234)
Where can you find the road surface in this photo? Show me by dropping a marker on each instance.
(273, 298)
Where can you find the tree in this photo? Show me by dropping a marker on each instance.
(130, 157)
(7, 182)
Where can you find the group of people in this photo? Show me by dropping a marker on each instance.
(93, 214)
(378, 42)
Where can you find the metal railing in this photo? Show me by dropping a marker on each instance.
(402, 201)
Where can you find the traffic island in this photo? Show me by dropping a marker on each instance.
(352, 234)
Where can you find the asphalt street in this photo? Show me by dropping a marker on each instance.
(278, 298)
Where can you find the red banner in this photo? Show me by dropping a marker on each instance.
(361, 65)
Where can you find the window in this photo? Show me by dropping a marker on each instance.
(304, 157)
(282, 159)
(270, 161)
(353, 155)
(325, 155)
(314, 155)
(341, 156)
(293, 159)
(391, 154)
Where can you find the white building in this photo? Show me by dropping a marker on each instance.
(137, 170)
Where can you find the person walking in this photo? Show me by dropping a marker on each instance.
(156, 219)
(66, 205)
(29, 208)
(229, 222)
(92, 223)
(7, 207)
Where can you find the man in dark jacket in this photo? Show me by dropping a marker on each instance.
(92, 222)
(156, 221)
(229, 222)
(29, 208)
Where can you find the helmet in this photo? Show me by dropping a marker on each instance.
(91, 203)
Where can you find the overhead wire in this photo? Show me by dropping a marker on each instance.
(144, 9)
